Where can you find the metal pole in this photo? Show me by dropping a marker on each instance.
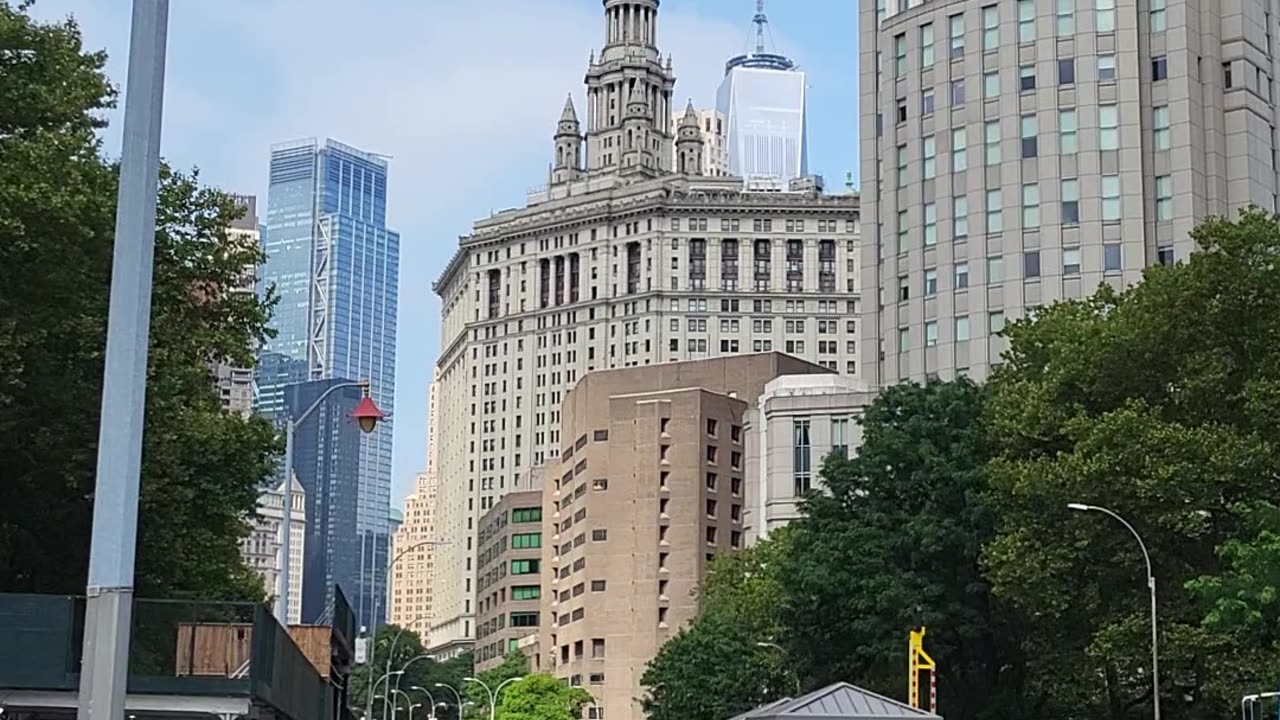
(286, 530)
(113, 547)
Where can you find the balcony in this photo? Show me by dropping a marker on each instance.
(186, 659)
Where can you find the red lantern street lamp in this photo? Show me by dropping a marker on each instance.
(367, 415)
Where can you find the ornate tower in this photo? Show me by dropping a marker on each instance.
(628, 73)
(689, 147)
(568, 163)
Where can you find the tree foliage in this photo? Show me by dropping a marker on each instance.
(541, 697)
(1159, 403)
(201, 466)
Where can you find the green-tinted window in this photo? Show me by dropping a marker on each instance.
(524, 619)
(513, 644)
(523, 541)
(525, 567)
(526, 592)
(524, 515)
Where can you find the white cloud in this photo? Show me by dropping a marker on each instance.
(463, 95)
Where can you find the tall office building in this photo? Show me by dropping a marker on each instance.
(410, 602)
(624, 260)
(335, 266)
(762, 98)
(235, 384)
(263, 549)
(1017, 153)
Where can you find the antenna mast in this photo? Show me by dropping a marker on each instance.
(760, 20)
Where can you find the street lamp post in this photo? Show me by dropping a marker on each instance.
(113, 543)
(373, 690)
(395, 702)
(430, 698)
(493, 694)
(779, 648)
(366, 416)
(456, 694)
(1151, 585)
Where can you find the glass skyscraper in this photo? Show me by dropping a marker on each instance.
(334, 265)
(763, 100)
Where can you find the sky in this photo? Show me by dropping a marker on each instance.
(463, 95)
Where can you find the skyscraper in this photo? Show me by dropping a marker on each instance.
(1023, 152)
(335, 267)
(762, 97)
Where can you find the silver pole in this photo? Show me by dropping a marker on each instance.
(286, 530)
(113, 546)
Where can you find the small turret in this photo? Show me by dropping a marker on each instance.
(636, 128)
(689, 146)
(568, 162)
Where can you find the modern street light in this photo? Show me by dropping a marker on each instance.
(1151, 585)
(367, 415)
(373, 690)
(411, 707)
(493, 694)
(114, 536)
(456, 694)
(426, 692)
(391, 653)
(775, 646)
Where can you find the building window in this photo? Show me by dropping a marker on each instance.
(900, 54)
(1111, 198)
(931, 334)
(962, 275)
(1067, 71)
(1164, 197)
(1164, 255)
(525, 567)
(1070, 262)
(1031, 264)
(995, 214)
(902, 166)
(1026, 21)
(1107, 67)
(524, 515)
(802, 471)
(526, 592)
(957, 93)
(599, 535)
(840, 437)
(995, 269)
(991, 140)
(956, 25)
(959, 140)
(1067, 144)
(1026, 78)
(1108, 127)
(926, 45)
(1065, 18)
(903, 227)
(960, 217)
(990, 28)
(930, 224)
(991, 85)
(1227, 81)
(524, 541)
(930, 282)
(524, 619)
(598, 586)
(1031, 206)
(929, 151)
(904, 340)
(1111, 257)
(926, 102)
(1071, 202)
(904, 288)
(995, 322)
(1160, 126)
(1158, 20)
(1106, 15)
(962, 328)
(1159, 68)
(1030, 137)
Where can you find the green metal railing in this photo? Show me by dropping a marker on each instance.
(176, 648)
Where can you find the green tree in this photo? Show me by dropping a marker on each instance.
(895, 544)
(541, 697)
(419, 671)
(514, 665)
(201, 466)
(1158, 402)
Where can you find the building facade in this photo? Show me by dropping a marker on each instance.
(334, 265)
(649, 485)
(410, 602)
(235, 384)
(618, 262)
(763, 99)
(796, 423)
(263, 549)
(715, 145)
(509, 575)
(1017, 153)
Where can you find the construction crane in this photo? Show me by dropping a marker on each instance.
(920, 660)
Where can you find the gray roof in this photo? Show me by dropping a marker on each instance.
(840, 701)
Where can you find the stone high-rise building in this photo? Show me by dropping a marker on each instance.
(629, 257)
(235, 384)
(262, 550)
(715, 147)
(410, 587)
(1021, 152)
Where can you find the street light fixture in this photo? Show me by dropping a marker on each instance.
(366, 416)
(779, 648)
(456, 694)
(493, 694)
(1151, 585)
(426, 692)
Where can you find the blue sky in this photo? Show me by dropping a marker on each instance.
(464, 96)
